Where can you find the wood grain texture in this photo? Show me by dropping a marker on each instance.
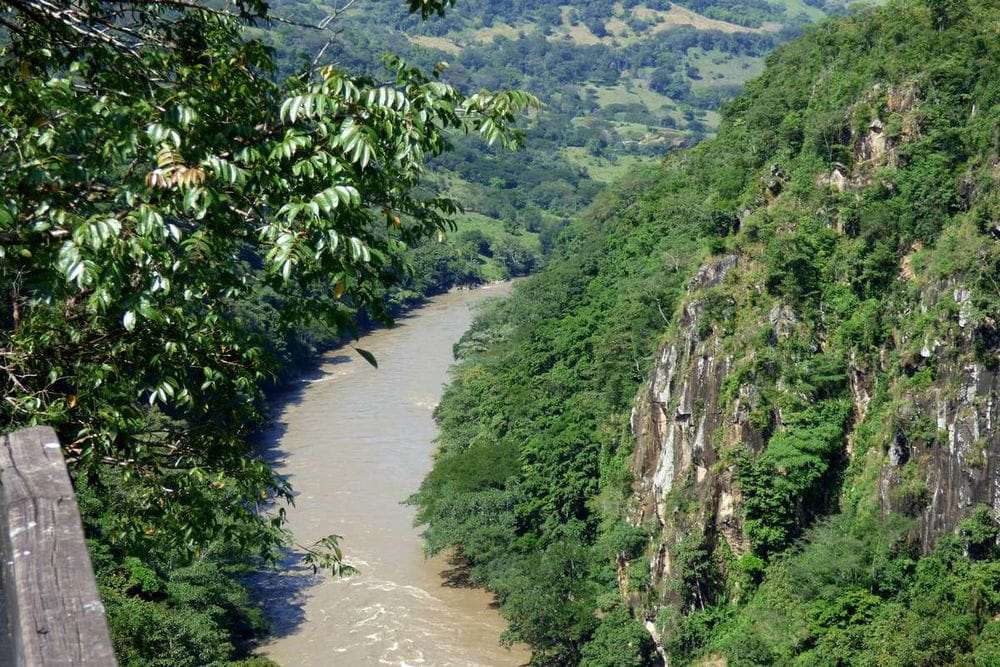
(53, 609)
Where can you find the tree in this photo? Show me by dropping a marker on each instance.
(518, 259)
(547, 605)
(945, 13)
(155, 176)
(619, 641)
(666, 81)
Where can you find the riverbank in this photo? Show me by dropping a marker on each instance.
(305, 356)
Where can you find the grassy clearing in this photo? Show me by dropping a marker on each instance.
(452, 185)
(620, 34)
(437, 43)
(487, 35)
(796, 7)
(603, 169)
(637, 92)
(618, 28)
(493, 229)
(634, 131)
(718, 68)
(678, 15)
(492, 268)
(579, 33)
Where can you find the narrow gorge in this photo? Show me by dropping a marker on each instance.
(748, 413)
(741, 407)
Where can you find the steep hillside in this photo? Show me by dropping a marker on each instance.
(806, 307)
(622, 84)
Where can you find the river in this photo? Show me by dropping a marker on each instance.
(355, 441)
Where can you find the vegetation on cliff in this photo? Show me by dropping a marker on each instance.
(192, 204)
(852, 188)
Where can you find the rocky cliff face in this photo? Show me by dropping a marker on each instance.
(676, 420)
(938, 471)
(921, 437)
(931, 397)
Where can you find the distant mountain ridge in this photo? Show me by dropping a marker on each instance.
(623, 83)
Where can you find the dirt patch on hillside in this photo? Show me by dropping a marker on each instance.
(438, 43)
(678, 15)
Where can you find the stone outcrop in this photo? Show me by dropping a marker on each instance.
(940, 460)
(877, 143)
(674, 420)
(949, 461)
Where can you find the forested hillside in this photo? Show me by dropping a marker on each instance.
(194, 201)
(747, 414)
(622, 84)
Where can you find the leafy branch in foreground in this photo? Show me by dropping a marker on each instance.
(326, 554)
(148, 193)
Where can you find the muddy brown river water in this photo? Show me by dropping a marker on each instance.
(355, 442)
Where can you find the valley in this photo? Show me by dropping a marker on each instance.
(739, 408)
(745, 415)
(652, 81)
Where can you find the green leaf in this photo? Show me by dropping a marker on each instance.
(367, 356)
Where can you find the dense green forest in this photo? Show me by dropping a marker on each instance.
(640, 80)
(836, 244)
(193, 206)
(179, 221)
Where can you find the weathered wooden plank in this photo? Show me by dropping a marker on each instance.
(54, 612)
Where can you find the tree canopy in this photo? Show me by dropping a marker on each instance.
(156, 178)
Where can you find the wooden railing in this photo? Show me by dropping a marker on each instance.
(50, 610)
